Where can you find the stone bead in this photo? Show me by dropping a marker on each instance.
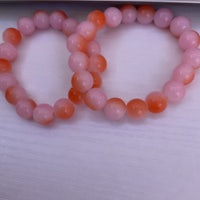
(137, 109)
(63, 109)
(156, 102)
(12, 35)
(115, 109)
(25, 107)
(163, 17)
(8, 51)
(75, 96)
(189, 39)
(41, 19)
(69, 26)
(26, 26)
(43, 114)
(95, 99)
(5, 65)
(82, 81)
(97, 81)
(145, 14)
(97, 63)
(129, 14)
(56, 19)
(93, 48)
(97, 17)
(179, 25)
(78, 61)
(174, 91)
(7, 80)
(113, 17)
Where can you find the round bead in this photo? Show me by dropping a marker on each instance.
(82, 81)
(113, 17)
(25, 107)
(78, 61)
(97, 63)
(97, 17)
(163, 17)
(174, 91)
(93, 48)
(63, 109)
(75, 96)
(179, 24)
(8, 51)
(137, 109)
(7, 80)
(12, 35)
(56, 19)
(145, 14)
(5, 65)
(115, 109)
(26, 26)
(69, 26)
(41, 20)
(43, 114)
(156, 102)
(129, 14)
(97, 81)
(95, 99)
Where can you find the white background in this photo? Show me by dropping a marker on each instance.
(89, 157)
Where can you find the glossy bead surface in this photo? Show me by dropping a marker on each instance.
(93, 48)
(97, 63)
(5, 65)
(56, 19)
(97, 17)
(12, 35)
(145, 14)
(41, 19)
(7, 80)
(75, 96)
(26, 26)
(129, 14)
(97, 81)
(8, 51)
(69, 26)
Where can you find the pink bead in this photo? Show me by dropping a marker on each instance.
(43, 114)
(69, 26)
(56, 19)
(25, 107)
(93, 48)
(8, 51)
(7, 80)
(113, 17)
(189, 39)
(78, 61)
(26, 26)
(174, 91)
(192, 56)
(179, 24)
(184, 73)
(145, 14)
(95, 99)
(129, 14)
(163, 17)
(41, 20)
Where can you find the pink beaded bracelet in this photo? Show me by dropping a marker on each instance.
(83, 64)
(16, 94)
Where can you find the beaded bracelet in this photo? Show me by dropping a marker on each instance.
(84, 64)
(16, 94)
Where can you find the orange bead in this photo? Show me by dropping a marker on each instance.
(97, 81)
(157, 102)
(97, 63)
(137, 109)
(5, 65)
(75, 96)
(12, 36)
(145, 14)
(97, 17)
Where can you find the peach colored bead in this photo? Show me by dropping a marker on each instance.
(7, 80)
(113, 17)
(41, 19)
(95, 99)
(82, 81)
(75, 96)
(184, 73)
(63, 109)
(156, 102)
(97, 63)
(8, 51)
(43, 114)
(5, 65)
(14, 94)
(115, 109)
(179, 24)
(145, 14)
(25, 107)
(78, 61)
(69, 26)
(12, 35)
(163, 17)
(26, 26)
(174, 91)
(129, 14)
(97, 81)
(97, 17)
(192, 56)
(56, 19)
(137, 109)
(76, 42)
(93, 48)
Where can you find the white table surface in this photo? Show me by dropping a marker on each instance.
(88, 157)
